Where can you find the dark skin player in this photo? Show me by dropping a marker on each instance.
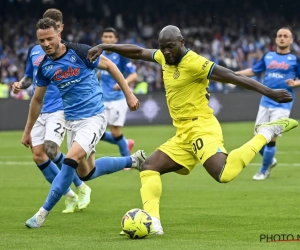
(171, 44)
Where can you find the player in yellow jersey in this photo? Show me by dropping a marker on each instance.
(198, 133)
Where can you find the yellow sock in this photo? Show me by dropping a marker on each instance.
(151, 191)
(241, 157)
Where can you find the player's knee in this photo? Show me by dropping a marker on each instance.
(50, 149)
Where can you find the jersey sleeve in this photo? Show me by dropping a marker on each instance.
(260, 66)
(298, 68)
(82, 51)
(41, 80)
(126, 65)
(29, 65)
(201, 67)
(158, 56)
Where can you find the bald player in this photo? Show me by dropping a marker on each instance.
(281, 68)
(198, 135)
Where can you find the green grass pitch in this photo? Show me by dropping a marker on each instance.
(196, 211)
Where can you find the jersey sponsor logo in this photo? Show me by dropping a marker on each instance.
(205, 65)
(70, 72)
(35, 53)
(48, 67)
(276, 75)
(67, 84)
(278, 65)
(72, 58)
(38, 60)
(176, 74)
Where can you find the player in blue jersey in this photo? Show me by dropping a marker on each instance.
(49, 130)
(66, 66)
(282, 69)
(113, 97)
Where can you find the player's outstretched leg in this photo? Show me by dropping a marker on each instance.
(241, 157)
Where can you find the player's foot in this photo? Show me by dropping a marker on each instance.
(259, 176)
(156, 226)
(275, 128)
(84, 197)
(137, 159)
(37, 220)
(71, 204)
(130, 144)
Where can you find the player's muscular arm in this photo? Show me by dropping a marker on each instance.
(221, 74)
(131, 78)
(126, 50)
(23, 84)
(246, 72)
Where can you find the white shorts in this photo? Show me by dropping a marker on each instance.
(49, 127)
(86, 132)
(271, 114)
(116, 112)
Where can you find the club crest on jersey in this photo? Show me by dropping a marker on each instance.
(278, 65)
(176, 74)
(72, 58)
(70, 72)
(38, 60)
(48, 67)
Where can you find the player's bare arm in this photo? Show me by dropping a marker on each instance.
(23, 84)
(246, 72)
(225, 75)
(126, 50)
(130, 79)
(34, 112)
(106, 64)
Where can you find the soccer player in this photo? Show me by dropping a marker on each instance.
(66, 66)
(281, 68)
(49, 130)
(198, 133)
(113, 97)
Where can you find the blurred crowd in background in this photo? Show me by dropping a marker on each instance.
(232, 33)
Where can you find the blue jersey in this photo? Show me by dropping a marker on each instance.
(107, 82)
(52, 99)
(278, 68)
(76, 79)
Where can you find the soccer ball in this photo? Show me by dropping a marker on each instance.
(136, 223)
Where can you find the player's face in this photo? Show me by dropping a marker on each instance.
(284, 39)
(49, 40)
(60, 26)
(109, 38)
(171, 50)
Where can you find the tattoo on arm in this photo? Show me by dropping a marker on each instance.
(26, 82)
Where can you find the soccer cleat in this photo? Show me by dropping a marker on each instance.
(156, 227)
(276, 127)
(137, 159)
(130, 144)
(71, 204)
(84, 197)
(36, 221)
(259, 176)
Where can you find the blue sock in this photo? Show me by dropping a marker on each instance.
(50, 170)
(123, 147)
(107, 136)
(269, 154)
(109, 165)
(61, 183)
(58, 160)
(262, 150)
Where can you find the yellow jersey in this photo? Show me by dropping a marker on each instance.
(186, 87)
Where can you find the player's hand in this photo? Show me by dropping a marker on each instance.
(117, 87)
(290, 82)
(16, 87)
(26, 140)
(132, 102)
(281, 96)
(94, 52)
